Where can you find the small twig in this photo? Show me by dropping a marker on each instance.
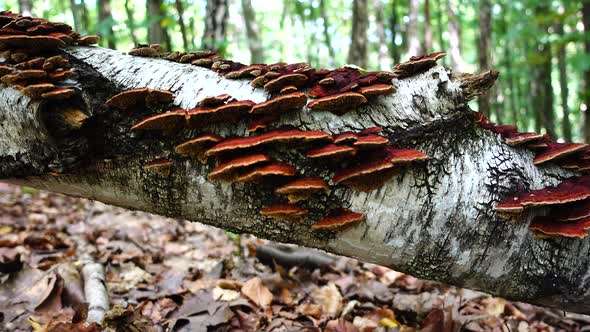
(289, 256)
(95, 292)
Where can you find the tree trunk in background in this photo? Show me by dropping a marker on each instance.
(427, 47)
(131, 23)
(357, 54)
(326, 30)
(425, 222)
(543, 90)
(566, 125)
(84, 16)
(439, 27)
(586, 84)
(216, 16)
(253, 33)
(394, 28)
(384, 59)
(512, 89)
(25, 7)
(412, 28)
(183, 32)
(76, 17)
(454, 37)
(484, 53)
(157, 34)
(105, 20)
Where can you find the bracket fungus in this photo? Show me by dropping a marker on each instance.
(403, 156)
(332, 151)
(555, 151)
(549, 227)
(138, 97)
(280, 104)
(370, 142)
(287, 212)
(229, 171)
(570, 190)
(160, 166)
(213, 101)
(197, 146)
(292, 79)
(165, 121)
(339, 218)
(302, 189)
(87, 40)
(376, 90)
(55, 62)
(232, 111)
(339, 103)
(366, 176)
(273, 169)
(417, 64)
(276, 136)
(346, 137)
(59, 94)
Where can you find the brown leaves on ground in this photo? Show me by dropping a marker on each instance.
(173, 275)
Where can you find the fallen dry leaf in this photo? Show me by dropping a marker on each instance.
(330, 299)
(257, 292)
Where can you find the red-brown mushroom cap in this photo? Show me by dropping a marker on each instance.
(570, 190)
(157, 96)
(417, 64)
(302, 189)
(229, 171)
(292, 79)
(214, 101)
(366, 177)
(24, 75)
(339, 218)
(62, 75)
(555, 151)
(54, 63)
(59, 94)
(549, 226)
(35, 63)
(276, 136)
(262, 122)
(402, 156)
(370, 142)
(36, 90)
(128, 99)
(504, 130)
(376, 90)
(288, 89)
(87, 40)
(198, 145)
(30, 42)
(346, 137)
(371, 131)
(517, 139)
(288, 212)
(5, 70)
(273, 169)
(571, 212)
(164, 121)
(161, 166)
(280, 104)
(229, 112)
(252, 70)
(332, 151)
(339, 103)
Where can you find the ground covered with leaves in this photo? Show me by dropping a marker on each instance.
(172, 275)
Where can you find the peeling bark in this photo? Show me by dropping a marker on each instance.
(434, 221)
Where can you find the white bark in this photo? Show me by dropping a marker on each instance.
(434, 221)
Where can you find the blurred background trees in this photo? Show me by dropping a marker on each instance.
(541, 47)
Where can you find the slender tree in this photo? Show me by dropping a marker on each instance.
(105, 21)
(542, 87)
(253, 33)
(131, 23)
(484, 44)
(566, 126)
(326, 30)
(394, 28)
(357, 54)
(413, 33)
(439, 27)
(84, 16)
(384, 60)
(25, 7)
(454, 36)
(216, 17)
(157, 34)
(181, 25)
(427, 45)
(76, 17)
(586, 85)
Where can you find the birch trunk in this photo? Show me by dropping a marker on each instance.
(434, 221)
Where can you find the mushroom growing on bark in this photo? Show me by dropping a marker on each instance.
(160, 166)
(270, 170)
(302, 189)
(229, 171)
(288, 212)
(339, 218)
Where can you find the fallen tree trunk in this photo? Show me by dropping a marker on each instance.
(434, 221)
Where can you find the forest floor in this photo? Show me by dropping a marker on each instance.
(172, 275)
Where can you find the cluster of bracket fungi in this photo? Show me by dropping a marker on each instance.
(31, 63)
(568, 202)
(361, 161)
